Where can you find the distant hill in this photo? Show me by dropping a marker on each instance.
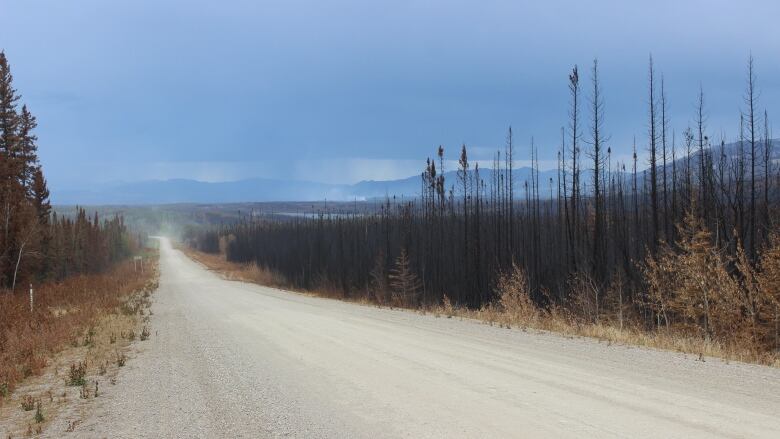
(267, 190)
(259, 189)
(192, 191)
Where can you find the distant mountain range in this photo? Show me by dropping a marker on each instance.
(262, 190)
(258, 189)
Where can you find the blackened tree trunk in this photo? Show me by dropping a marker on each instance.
(653, 160)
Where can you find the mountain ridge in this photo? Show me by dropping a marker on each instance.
(259, 189)
(180, 190)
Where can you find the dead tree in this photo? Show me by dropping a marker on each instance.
(750, 102)
(597, 121)
(653, 158)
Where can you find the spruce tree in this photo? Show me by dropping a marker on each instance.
(403, 282)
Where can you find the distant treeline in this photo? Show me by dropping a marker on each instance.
(638, 246)
(36, 245)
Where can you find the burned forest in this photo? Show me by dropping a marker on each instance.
(681, 238)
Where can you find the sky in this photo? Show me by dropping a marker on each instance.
(341, 91)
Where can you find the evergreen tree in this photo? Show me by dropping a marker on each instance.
(403, 281)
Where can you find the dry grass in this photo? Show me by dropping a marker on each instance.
(514, 309)
(71, 313)
(260, 275)
(252, 273)
(609, 331)
(95, 322)
(61, 404)
(234, 271)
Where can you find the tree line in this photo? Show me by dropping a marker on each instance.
(686, 239)
(36, 244)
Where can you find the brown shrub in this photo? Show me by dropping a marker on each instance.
(698, 291)
(515, 297)
(585, 296)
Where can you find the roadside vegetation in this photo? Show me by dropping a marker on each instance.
(71, 298)
(71, 347)
(65, 314)
(679, 252)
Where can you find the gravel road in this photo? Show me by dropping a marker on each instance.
(230, 359)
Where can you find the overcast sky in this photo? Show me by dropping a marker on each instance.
(340, 91)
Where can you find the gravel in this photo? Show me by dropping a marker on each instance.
(229, 359)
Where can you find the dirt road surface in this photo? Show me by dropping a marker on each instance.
(230, 359)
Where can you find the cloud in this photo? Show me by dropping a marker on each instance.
(344, 91)
(352, 170)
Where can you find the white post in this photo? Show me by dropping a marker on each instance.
(31, 298)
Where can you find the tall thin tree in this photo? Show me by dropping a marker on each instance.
(597, 121)
(653, 114)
